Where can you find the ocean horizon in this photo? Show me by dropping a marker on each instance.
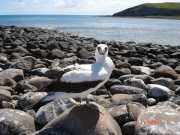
(158, 31)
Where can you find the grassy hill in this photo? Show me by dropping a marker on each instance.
(168, 9)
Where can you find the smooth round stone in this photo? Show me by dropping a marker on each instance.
(121, 99)
(25, 63)
(168, 82)
(134, 109)
(141, 70)
(41, 83)
(30, 99)
(159, 92)
(165, 71)
(123, 89)
(136, 83)
(39, 71)
(15, 74)
(120, 114)
(151, 101)
(5, 95)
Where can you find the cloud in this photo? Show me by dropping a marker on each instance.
(71, 6)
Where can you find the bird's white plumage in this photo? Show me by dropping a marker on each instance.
(98, 71)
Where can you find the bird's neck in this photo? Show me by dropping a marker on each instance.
(106, 63)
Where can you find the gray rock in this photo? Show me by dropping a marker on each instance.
(124, 77)
(135, 61)
(6, 104)
(5, 95)
(5, 81)
(16, 122)
(123, 89)
(168, 82)
(120, 114)
(159, 92)
(24, 86)
(103, 100)
(41, 83)
(141, 70)
(155, 65)
(15, 74)
(165, 71)
(39, 71)
(3, 59)
(134, 109)
(119, 72)
(146, 78)
(136, 83)
(120, 64)
(177, 69)
(25, 63)
(56, 53)
(151, 101)
(111, 82)
(84, 53)
(120, 99)
(175, 99)
(129, 128)
(30, 99)
(51, 111)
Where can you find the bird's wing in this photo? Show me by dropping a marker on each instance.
(77, 67)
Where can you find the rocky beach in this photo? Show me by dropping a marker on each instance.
(143, 95)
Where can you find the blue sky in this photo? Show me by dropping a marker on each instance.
(80, 7)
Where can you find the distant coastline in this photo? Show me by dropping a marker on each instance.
(167, 10)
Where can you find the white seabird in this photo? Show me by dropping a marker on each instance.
(81, 77)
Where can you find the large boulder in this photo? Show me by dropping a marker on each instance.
(158, 120)
(16, 122)
(88, 119)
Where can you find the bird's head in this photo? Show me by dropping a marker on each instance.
(101, 52)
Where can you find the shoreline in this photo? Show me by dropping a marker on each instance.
(58, 30)
(145, 82)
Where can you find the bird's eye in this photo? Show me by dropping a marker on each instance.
(99, 48)
(106, 49)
